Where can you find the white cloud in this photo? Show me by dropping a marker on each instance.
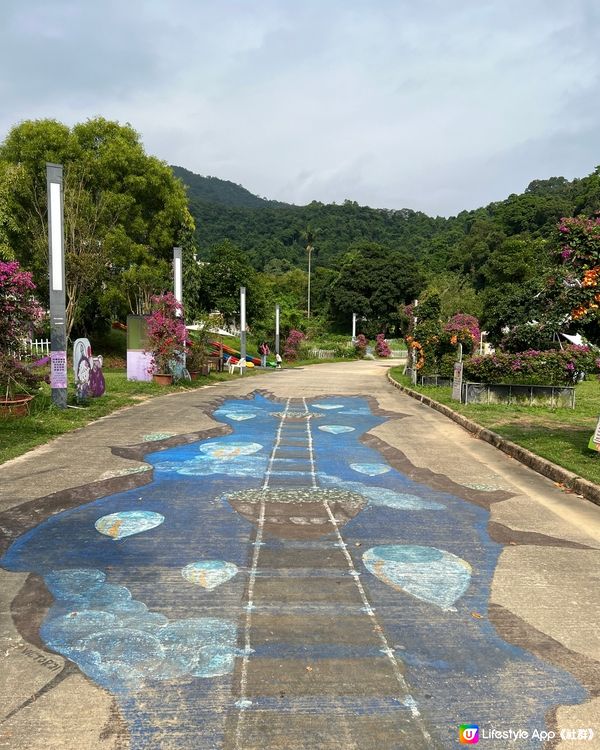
(432, 106)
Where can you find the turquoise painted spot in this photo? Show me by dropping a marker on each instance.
(371, 470)
(335, 429)
(381, 496)
(74, 583)
(239, 416)
(205, 645)
(205, 465)
(127, 523)
(407, 554)
(209, 573)
(116, 641)
(328, 406)
(427, 573)
(399, 500)
(222, 450)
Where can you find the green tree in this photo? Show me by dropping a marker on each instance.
(222, 276)
(372, 281)
(456, 294)
(123, 208)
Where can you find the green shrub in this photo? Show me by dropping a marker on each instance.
(446, 365)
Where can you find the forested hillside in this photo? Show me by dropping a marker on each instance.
(271, 231)
(508, 263)
(215, 190)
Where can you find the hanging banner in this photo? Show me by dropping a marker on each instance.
(58, 369)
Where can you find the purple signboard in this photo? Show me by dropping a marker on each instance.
(58, 369)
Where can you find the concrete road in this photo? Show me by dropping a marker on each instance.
(301, 559)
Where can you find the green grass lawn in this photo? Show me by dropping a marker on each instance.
(560, 435)
(20, 434)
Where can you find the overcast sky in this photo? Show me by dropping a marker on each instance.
(426, 104)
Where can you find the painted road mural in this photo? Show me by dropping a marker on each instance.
(285, 571)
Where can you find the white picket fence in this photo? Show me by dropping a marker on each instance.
(322, 353)
(33, 349)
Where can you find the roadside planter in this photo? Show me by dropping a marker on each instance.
(523, 395)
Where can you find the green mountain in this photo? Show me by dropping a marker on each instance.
(473, 243)
(272, 231)
(221, 192)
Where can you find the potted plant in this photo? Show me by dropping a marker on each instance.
(167, 337)
(18, 384)
(19, 312)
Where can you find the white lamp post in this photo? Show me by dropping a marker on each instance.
(177, 275)
(242, 324)
(56, 262)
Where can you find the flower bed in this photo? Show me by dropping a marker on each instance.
(554, 367)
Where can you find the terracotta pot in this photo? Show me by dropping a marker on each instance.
(195, 374)
(15, 407)
(162, 378)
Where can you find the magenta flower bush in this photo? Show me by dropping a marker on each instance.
(533, 367)
(19, 310)
(578, 242)
(463, 329)
(382, 348)
(167, 334)
(360, 345)
(292, 344)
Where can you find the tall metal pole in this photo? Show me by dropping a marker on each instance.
(178, 286)
(56, 264)
(276, 329)
(309, 248)
(353, 326)
(177, 275)
(242, 323)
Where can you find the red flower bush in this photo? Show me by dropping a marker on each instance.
(292, 344)
(360, 345)
(578, 239)
(167, 334)
(463, 329)
(382, 348)
(19, 309)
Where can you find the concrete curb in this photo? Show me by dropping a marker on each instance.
(572, 481)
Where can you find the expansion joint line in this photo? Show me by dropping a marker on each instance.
(276, 446)
(409, 701)
(243, 703)
(311, 451)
